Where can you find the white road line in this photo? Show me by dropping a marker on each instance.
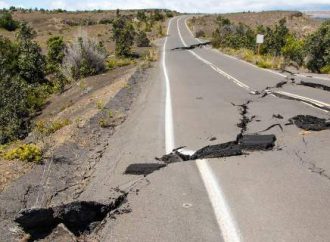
(169, 131)
(225, 220)
(233, 57)
(305, 100)
(214, 67)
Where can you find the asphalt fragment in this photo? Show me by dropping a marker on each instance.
(315, 85)
(191, 47)
(143, 168)
(79, 217)
(308, 122)
(257, 142)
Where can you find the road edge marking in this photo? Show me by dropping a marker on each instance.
(169, 130)
(227, 225)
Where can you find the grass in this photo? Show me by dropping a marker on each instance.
(325, 69)
(263, 61)
(115, 62)
(49, 127)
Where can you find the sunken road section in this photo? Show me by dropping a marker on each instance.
(251, 142)
(79, 217)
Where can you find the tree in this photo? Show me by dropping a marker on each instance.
(55, 55)
(275, 38)
(31, 62)
(123, 35)
(317, 48)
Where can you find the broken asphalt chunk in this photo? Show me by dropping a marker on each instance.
(257, 142)
(143, 168)
(191, 47)
(217, 151)
(308, 122)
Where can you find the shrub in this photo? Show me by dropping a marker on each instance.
(7, 22)
(31, 63)
(275, 39)
(293, 50)
(83, 57)
(105, 21)
(115, 62)
(15, 109)
(199, 34)
(25, 152)
(55, 55)
(142, 39)
(123, 35)
(8, 57)
(317, 48)
(50, 127)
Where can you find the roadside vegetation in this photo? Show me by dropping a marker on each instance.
(281, 46)
(34, 69)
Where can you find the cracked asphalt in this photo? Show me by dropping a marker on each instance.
(277, 195)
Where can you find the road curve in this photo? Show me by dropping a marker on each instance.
(279, 195)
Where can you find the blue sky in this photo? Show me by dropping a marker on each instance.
(210, 6)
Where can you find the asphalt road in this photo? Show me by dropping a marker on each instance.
(278, 195)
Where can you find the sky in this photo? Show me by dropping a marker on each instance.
(193, 6)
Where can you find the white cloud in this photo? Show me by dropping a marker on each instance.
(3, 4)
(58, 4)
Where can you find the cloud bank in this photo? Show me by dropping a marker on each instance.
(203, 6)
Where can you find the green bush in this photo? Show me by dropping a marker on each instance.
(15, 108)
(8, 57)
(142, 39)
(293, 50)
(123, 35)
(7, 22)
(317, 48)
(23, 88)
